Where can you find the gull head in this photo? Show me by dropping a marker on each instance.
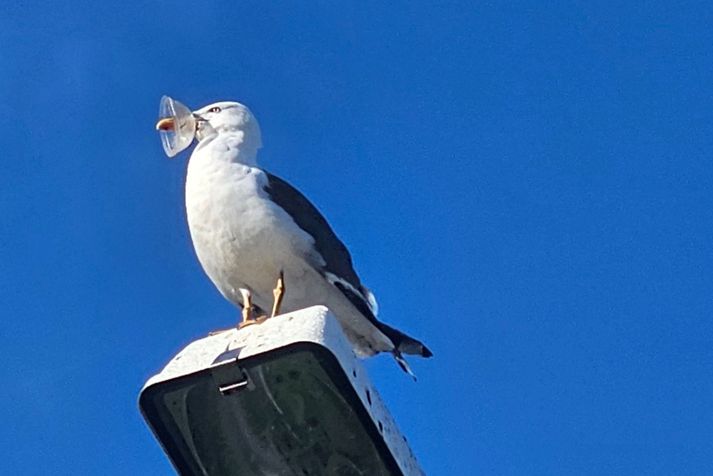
(227, 117)
(179, 126)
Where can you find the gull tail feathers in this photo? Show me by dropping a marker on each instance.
(403, 364)
(403, 343)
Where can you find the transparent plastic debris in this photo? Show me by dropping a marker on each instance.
(180, 136)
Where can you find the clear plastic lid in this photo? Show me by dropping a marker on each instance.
(180, 134)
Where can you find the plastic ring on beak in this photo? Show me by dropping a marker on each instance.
(176, 126)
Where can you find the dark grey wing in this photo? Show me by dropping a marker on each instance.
(338, 261)
(335, 254)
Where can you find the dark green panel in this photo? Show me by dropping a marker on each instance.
(290, 412)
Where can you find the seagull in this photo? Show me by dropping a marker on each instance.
(263, 244)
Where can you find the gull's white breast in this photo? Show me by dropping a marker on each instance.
(241, 238)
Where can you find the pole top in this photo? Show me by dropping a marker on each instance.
(284, 396)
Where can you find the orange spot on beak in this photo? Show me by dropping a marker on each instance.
(165, 124)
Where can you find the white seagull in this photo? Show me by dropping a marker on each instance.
(261, 242)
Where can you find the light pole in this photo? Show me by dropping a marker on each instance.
(286, 397)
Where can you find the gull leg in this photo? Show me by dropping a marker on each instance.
(247, 309)
(278, 293)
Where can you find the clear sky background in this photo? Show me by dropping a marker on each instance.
(526, 187)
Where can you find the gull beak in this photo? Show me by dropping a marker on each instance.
(165, 124)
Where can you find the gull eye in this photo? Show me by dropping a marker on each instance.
(214, 109)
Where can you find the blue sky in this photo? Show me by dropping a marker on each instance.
(527, 187)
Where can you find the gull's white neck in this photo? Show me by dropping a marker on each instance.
(229, 147)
